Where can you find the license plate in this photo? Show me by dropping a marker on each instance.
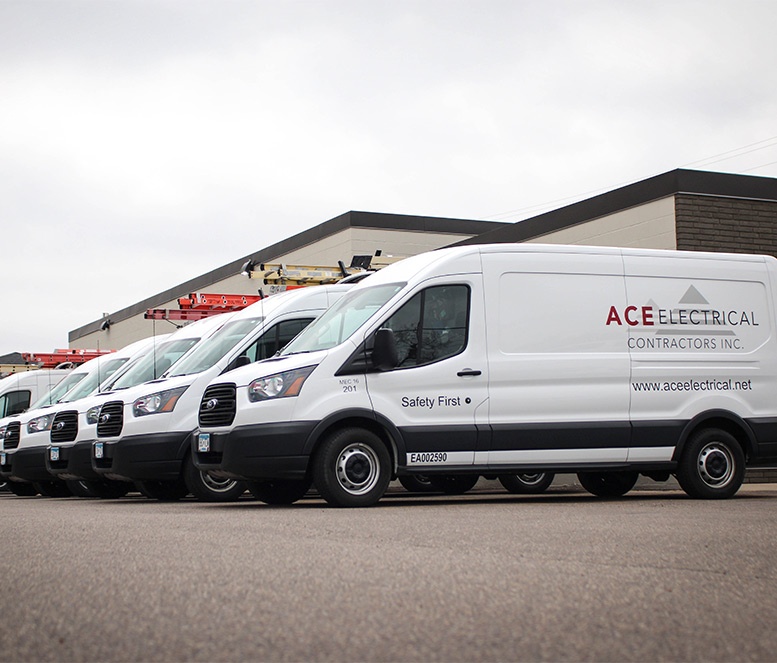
(98, 450)
(203, 442)
(54, 454)
(2, 458)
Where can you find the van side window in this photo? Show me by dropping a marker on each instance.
(275, 338)
(14, 402)
(432, 325)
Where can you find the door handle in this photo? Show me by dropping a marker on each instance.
(467, 372)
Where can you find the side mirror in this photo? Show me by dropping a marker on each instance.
(384, 352)
(242, 360)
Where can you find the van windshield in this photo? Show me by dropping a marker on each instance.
(57, 392)
(152, 365)
(92, 380)
(337, 323)
(207, 353)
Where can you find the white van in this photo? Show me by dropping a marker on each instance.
(19, 390)
(22, 457)
(143, 436)
(514, 359)
(73, 427)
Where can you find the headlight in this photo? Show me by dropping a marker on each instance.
(93, 415)
(40, 424)
(280, 385)
(162, 401)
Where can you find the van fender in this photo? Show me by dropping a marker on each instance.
(724, 419)
(358, 417)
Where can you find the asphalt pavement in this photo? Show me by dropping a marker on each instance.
(487, 576)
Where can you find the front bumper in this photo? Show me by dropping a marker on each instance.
(157, 457)
(26, 464)
(74, 461)
(263, 451)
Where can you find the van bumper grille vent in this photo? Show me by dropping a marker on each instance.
(12, 435)
(65, 426)
(218, 405)
(111, 419)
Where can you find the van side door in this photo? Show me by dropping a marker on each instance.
(438, 392)
(559, 373)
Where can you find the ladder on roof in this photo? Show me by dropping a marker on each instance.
(53, 359)
(305, 275)
(279, 277)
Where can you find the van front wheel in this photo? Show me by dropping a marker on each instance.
(352, 468)
(207, 488)
(608, 484)
(712, 465)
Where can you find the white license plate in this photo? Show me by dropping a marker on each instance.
(203, 442)
(54, 454)
(2, 458)
(98, 450)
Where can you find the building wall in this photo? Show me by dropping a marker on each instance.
(365, 241)
(711, 223)
(327, 251)
(650, 226)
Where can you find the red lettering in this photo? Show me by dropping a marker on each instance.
(647, 316)
(612, 316)
(627, 317)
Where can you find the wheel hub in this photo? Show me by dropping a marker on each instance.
(716, 466)
(217, 485)
(357, 469)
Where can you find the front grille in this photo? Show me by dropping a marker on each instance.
(218, 405)
(65, 426)
(11, 440)
(111, 419)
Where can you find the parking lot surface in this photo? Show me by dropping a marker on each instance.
(486, 576)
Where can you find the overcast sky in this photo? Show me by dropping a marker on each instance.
(143, 143)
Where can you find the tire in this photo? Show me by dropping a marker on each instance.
(164, 491)
(107, 489)
(79, 488)
(608, 484)
(279, 491)
(211, 489)
(53, 489)
(22, 489)
(453, 484)
(352, 468)
(527, 484)
(712, 465)
(417, 483)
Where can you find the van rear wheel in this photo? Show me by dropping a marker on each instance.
(527, 484)
(352, 468)
(712, 465)
(279, 491)
(453, 484)
(417, 483)
(608, 484)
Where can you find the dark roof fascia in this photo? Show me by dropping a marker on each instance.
(654, 188)
(12, 358)
(350, 219)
